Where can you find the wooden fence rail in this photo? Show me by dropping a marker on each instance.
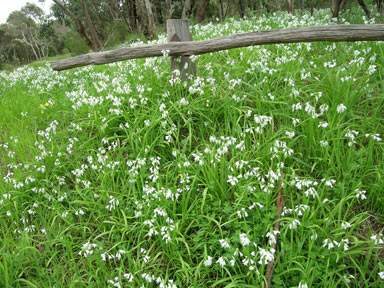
(332, 33)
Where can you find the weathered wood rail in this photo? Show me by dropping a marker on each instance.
(332, 33)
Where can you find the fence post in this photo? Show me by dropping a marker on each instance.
(178, 30)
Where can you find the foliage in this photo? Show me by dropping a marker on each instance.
(29, 35)
(75, 44)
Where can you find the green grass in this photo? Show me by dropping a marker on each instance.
(115, 173)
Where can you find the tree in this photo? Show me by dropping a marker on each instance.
(151, 20)
(243, 8)
(29, 35)
(338, 5)
(79, 25)
(201, 9)
(97, 42)
(290, 6)
(379, 4)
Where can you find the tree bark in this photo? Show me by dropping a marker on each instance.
(243, 5)
(140, 5)
(312, 4)
(186, 9)
(25, 40)
(97, 16)
(336, 8)
(170, 10)
(132, 13)
(379, 4)
(221, 10)
(115, 11)
(365, 8)
(343, 4)
(92, 28)
(151, 20)
(201, 8)
(79, 24)
(158, 13)
(290, 6)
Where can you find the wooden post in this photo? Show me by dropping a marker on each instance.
(178, 30)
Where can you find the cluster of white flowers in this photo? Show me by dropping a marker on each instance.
(330, 244)
(87, 249)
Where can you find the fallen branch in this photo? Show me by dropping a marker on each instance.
(332, 33)
(279, 206)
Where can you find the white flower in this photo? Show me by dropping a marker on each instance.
(371, 69)
(183, 102)
(272, 237)
(242, 213)
(377, 239)
(221, 262)
(290, 134)
(266, 256)
(381, 275)
(361, 194)
(330, 183)
(303, 285)
(208, 262)
(311, 192)
(341, 108)
(330, 244)
(346, 244)
(224, 243)
(79, 212)
(294, 224)
(165, 53)
(129, 277)
(345, 225)
(323, 143)
(232, 180)
(244, 239)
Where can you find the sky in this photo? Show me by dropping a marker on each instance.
(8, 6)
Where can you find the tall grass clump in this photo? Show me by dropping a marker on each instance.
(121, 176)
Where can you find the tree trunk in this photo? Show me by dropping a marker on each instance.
(25, 40)
(336, 8)
(201, 8)
(243, 5)
(97, 16)
(132, 13)
(158, 12)
(79, 24)
(92, 28)
(365, 8)
(379, 4)
(221, 10)
(186, 9)
(343, 4)
(170, 9)
(290, 6)
(151, 20)
(114, 5)
(312, 4)
(143, 17)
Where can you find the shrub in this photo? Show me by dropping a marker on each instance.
(75, 44)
